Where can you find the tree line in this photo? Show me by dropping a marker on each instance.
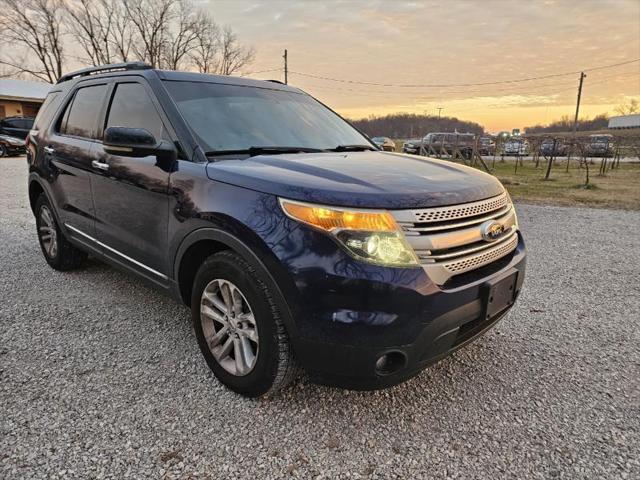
(599, 122)
(406, 125)
(565, 124)
(37, 36)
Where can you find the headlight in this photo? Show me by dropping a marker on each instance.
(372, 236)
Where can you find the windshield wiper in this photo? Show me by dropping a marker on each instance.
(253, 151)
(352, 148)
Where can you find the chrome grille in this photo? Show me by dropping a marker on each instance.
(475, 261)
(448, 240)
(461, 211)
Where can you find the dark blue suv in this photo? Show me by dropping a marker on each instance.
(295, 241)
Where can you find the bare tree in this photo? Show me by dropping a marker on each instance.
(34, 28)
(122, 31)
(90, 26)
(151, 21)
(170, 34)
(184, 37)
(627, 109)
(205, 54)
(233, 56)
(101, 27)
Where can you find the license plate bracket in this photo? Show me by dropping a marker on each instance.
(499, 295)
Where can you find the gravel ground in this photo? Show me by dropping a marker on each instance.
(100, 376)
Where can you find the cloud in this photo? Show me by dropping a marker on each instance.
(442, 42)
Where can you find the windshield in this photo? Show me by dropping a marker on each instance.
(233, 117)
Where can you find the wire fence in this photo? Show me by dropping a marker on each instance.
(605, 148)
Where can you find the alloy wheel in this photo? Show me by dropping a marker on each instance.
(48, 233)
(229, 327)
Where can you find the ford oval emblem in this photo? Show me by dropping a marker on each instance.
(491, 230)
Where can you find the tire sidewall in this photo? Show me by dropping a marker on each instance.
(230, 266)
(43, 202)
(4, 151)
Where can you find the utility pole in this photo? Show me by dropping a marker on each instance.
(439, 110)
(575, 121)
(286, 67)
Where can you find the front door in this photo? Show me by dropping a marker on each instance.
(131, 194)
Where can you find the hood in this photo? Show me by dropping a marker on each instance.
(359, 179)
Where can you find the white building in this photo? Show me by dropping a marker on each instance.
(625, 121)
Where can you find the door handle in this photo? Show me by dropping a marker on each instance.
(49, 150)
(99, 165)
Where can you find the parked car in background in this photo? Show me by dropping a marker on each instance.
(17, 127)
(385, 143)
(322, 254)
(601, 145)
(555, 148)
(11, 146)
(442, 142)
(448, 143)
(516, 147)
(412, 146)
(486, 146)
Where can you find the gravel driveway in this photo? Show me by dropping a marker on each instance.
(101, 376)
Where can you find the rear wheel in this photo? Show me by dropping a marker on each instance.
(57, 250)
(238, 327)
(3, 151)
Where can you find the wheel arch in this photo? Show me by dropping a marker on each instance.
(203, 242)
(35, 190)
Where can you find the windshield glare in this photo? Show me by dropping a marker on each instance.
(233, 117)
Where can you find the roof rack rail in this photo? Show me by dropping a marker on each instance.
(276, 81)
(112, 67)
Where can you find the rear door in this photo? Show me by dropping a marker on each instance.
(68, 151)
(131, 195)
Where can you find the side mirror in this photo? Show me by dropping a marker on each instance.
(137, 142)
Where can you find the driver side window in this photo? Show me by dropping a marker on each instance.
(132, 107)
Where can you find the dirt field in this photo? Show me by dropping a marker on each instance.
(101, 377)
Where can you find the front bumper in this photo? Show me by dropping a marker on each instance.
(349, 322)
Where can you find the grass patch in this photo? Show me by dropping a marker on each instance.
(619, 188)
(590, 186)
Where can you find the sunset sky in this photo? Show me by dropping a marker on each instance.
(447, 42)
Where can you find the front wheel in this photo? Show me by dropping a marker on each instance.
(3, 151)
(238, 327)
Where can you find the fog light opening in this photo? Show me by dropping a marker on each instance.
(390, 363)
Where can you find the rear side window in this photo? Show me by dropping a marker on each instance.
(132, 107)
(26, 123)
(47, 108)
(81, 116)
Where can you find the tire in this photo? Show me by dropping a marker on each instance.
(57, 251)
(3, 151)
(254, 327)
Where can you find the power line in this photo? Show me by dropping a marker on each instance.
(445, 85)
(544, 89)
(261, 71)
(511, 105)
